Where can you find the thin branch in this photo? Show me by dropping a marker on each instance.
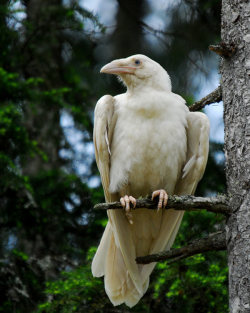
(214, 96)
(217, 204)
(143, 24)
(154, 31)
(224, 50)
(214, 242)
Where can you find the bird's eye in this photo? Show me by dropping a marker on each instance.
(137, 62)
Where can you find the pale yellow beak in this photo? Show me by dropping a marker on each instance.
(118, 67)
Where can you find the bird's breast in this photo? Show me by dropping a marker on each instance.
(147, 151)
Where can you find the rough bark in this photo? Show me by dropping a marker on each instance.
(235, 90)
(183, 203)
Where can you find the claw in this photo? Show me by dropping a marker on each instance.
(133, 201)
(125, 202)
(163, 198)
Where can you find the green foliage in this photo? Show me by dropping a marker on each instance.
(15, 141)
(20, 254)
(198, 283)
(75, 292)
(42, 211)
(78, 291)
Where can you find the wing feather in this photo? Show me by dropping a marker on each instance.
(197, 153)
(99, 261)
(104, 124)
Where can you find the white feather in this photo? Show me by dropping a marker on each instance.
(145, 139)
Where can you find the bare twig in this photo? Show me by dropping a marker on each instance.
(224, 50)
(145, 25)
(215, 241)
(214, 96)
(217, 204)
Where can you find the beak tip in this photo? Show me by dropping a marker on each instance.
(105, 69)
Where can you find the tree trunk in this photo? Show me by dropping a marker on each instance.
(128, 34)
(43, 58)
(235, 88)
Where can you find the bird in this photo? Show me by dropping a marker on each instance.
(147, 143)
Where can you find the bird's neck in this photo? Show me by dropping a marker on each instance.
(144, 86)
(143, 89)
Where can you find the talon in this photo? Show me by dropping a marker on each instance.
(163, 198)
(127, 207)
(125, 202)
(133, 201)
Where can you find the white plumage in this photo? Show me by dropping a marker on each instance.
(145, 140)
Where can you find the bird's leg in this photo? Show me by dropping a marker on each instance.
(163, 198)
(125, 202)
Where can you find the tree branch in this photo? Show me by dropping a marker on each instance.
(224, 50)
(217, 204)
(214, 96)
(215, 241)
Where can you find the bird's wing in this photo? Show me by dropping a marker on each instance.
(125, 281)
(104, 124)
(196, 159)
(197, 153)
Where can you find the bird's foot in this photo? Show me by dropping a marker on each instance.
(125, 202)
(163, 198)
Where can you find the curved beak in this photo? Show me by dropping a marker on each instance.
(118, 67)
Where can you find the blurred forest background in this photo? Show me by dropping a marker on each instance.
(51, 53)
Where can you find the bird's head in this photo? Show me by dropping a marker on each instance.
(139, 71)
